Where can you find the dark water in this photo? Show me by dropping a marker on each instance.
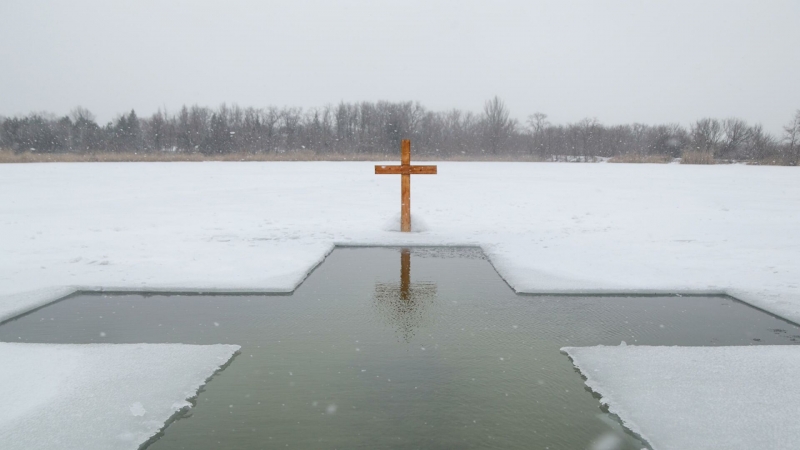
(375, 352)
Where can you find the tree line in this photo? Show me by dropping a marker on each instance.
(376, 128)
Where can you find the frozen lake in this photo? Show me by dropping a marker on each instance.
(392, 348)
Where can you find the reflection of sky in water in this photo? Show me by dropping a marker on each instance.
(381, 348)
(403, 304)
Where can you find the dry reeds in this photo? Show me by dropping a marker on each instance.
(8, 156)
(697, 157)
(640, 159)
(777, 160)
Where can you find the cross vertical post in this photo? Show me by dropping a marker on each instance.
(405, 169)
(405, 186)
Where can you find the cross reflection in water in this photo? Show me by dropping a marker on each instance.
(404, 306)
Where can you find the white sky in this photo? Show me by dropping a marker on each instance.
(620, 61)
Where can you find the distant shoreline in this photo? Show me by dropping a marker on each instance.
(29, 157)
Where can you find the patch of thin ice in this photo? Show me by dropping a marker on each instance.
(699, 397)
(97, 396)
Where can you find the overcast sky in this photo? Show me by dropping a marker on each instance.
(620, 61)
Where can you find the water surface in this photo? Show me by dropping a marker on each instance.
(389, 348)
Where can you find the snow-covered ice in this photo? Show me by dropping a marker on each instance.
(97, 396)
(547, 227)
(699, 397)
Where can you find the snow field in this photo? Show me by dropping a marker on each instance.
(547, 227)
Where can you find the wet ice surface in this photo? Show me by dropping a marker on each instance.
(377, 349)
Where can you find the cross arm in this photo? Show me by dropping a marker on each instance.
(405, 170)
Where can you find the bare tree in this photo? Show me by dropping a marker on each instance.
(498, 124)
(736, 134)
(85, 132)
(761, 145)
(792, 138)
(588, 131)
(81, 114)
(537, 123)
(706, 135)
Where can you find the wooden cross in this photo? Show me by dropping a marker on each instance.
(405, 169)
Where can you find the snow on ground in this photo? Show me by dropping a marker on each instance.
(699, 397)
(547, 227)
(97, 396)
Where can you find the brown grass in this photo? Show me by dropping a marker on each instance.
(10, 157)
(697, 157)
(31, 157)
(641, 159)
(774, 161)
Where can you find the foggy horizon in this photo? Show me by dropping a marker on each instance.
(620, 62)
